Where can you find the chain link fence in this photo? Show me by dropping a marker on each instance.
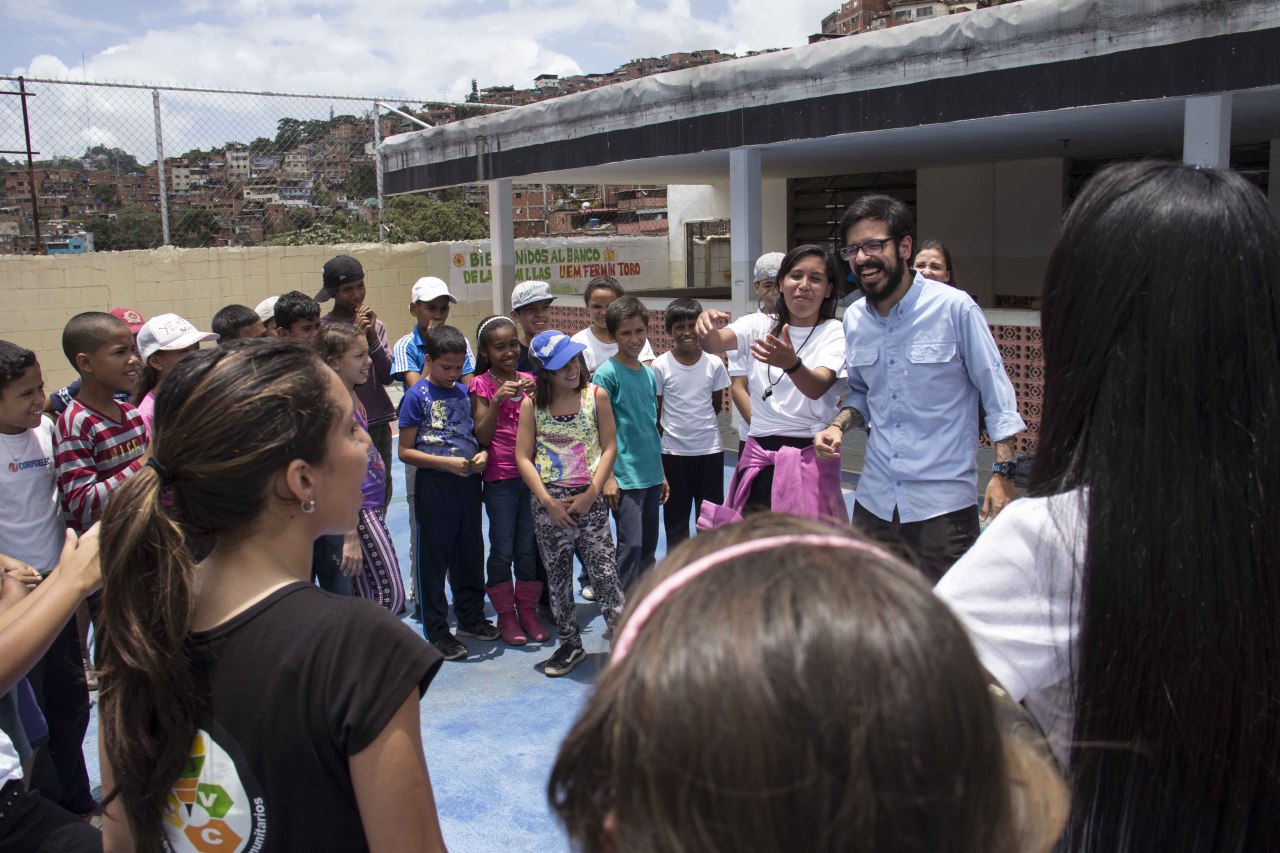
(104, 166)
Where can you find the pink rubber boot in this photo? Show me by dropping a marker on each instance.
(527, 593)
(503, 598)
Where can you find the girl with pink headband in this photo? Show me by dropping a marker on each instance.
(830, 702)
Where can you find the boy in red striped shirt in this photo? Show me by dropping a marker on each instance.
(98, 442)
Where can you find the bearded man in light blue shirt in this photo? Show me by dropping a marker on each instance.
(919, 356)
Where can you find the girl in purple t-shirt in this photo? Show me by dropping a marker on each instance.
(368, 556)
(496, 392)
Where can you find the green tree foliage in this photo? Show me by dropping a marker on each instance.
(363, 182)
(114, 159)
(298, 219)
(418, 217)
(105, 193)
(131, 228)
(194, 228)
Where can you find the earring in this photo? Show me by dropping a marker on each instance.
(309, 505)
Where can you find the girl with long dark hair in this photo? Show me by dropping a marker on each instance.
(796, 357)
(1132, 600)
(238, 700)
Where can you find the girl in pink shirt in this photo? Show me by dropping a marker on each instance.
(496, 392)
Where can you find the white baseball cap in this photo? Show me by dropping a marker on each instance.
(767, 267)
(429, 288)
(266, 309)
(169, 332)
(529, 292)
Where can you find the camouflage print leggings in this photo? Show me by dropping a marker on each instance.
(593, 543)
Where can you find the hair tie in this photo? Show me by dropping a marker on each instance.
(497, 318)
(166, 481)
(682, 576)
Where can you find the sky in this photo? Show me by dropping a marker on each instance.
(411, 49)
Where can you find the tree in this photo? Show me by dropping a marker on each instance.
(105, 193)
(131, 228)
(298, 219)
(118, 161)
(261, 145)
(418, 217)
(363, 182)
(288, 133)
(195, 228)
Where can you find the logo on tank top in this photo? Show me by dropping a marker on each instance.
(209, 808)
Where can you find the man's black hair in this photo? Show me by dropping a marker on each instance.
(444, 340)
(228, 322)
(885, 208)
(681, 309)
(294, 306)
(14, 361)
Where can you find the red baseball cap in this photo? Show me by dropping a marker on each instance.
(132, 318)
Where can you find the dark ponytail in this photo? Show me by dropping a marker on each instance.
(227, 419)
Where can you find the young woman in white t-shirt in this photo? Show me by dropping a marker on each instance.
(797, 358)
(1132, 600)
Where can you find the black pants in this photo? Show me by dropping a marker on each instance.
(31, 824)
(690, 481)
(451, 542)
(326, 565)
(933, 545)
(380, 435)
(59, 684)
(760, 498)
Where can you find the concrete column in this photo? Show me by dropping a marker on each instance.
(1206, 131)
(745, 225)
(502, 244)
(1273, 184)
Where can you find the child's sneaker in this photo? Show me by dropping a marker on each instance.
(565, 659)
(449, 646)
(588, 594)
(482, 630)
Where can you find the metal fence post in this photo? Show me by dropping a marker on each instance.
(31, 172)
(377, 167)
(164, 194)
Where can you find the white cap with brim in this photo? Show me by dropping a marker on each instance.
(169, 332)
(266, 309)
(429, 288)
(530, 292)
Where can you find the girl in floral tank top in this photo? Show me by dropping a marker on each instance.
(565, 451)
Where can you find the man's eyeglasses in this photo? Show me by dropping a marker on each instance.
(869, 248)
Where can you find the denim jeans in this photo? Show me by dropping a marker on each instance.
(637, 520)
(326, 565)
(510, 532)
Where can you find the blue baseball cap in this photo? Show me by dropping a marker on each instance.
(554, 349)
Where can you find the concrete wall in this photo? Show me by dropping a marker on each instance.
(693, 202)
(39, 294)
(999, 220)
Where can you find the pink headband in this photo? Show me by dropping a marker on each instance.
(682, 576)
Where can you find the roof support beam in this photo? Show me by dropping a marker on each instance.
(1206, 131)
(745, 227)
(502, 244)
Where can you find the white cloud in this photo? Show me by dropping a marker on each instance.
(406, 50)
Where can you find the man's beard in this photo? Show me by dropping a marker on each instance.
(891, 275)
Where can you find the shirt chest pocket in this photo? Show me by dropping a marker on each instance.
(932, 369)
(863, 356)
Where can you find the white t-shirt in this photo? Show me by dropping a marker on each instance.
(10, 765)
(689, 426)
(597, 353)
(31, 525)
(786, 411)
(1014, 591)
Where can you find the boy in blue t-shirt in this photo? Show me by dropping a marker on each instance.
(637, 488)
(437, 436)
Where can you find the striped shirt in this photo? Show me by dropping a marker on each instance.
(409, 355)
(94, 455)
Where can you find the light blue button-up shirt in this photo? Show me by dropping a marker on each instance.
(916, 376)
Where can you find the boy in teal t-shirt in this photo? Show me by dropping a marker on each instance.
(637, 488)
